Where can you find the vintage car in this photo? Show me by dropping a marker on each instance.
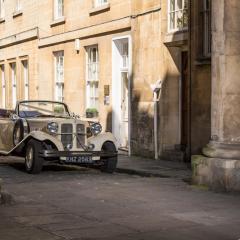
(46, 131)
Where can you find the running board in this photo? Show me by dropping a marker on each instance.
(5, 153)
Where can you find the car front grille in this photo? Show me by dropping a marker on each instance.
(67, 135)
(73, 136)
(80, 135)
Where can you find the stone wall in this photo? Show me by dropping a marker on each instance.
(156, 54)
(200, 70)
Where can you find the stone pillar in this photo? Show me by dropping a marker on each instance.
(220, 168)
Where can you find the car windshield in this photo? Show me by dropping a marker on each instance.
(42, 109)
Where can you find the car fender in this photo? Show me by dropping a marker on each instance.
(100, 139)
(37, 135)
(42, 136)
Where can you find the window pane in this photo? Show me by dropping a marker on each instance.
(14, 84)
(172, 20)
(2, 76)
(2, 9)
(185, 4)
(179, 19)
(100, 2)
(18, 5)
(179, 4)
(92, 77)
(172, 5)
(185, 18)
(58, 9)
(59, 75)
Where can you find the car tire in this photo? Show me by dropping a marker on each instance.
(109, 164)
(33, 162)
(18, 132)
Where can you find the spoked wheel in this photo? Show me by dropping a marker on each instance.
(109, 164)
(33, 162)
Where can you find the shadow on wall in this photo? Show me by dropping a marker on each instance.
(142, 126)
(142, 130)
(109, 121)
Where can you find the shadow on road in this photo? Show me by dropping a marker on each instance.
(50, 167)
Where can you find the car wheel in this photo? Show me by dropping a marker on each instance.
(109, 164)
(18, 132)
(33, 162)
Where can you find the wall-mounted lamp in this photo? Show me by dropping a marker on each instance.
(77, 45)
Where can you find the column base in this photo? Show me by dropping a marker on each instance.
(216, 173)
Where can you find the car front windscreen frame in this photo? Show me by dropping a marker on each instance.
(43, 101)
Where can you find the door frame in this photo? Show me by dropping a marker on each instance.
(188, 105)
(129, 83)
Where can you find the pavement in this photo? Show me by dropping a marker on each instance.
(65, 202)
(148, 167)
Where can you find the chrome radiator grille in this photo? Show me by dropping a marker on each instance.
(67, 134)
(80, 135)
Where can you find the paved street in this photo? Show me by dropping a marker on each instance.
(76, 203)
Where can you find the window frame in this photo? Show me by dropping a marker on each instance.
(92, 83)
(59, 76)
(25, 78)
(206, 29)
(18, 6)
(3, 85)
(175, 12)
(100, 3)
(13, 77)
(2, 9)
(56, 11)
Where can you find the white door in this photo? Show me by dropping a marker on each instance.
(120, 93)
(124, 111)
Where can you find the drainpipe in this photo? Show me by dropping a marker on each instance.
(155, 125)
(157, 89)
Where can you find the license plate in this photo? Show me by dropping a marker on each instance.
(80, 159)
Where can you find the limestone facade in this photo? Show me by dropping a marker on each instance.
(103, 55)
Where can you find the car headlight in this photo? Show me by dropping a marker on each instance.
(96, 128)
(52, 127)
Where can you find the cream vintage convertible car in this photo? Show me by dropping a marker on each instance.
(46, 131)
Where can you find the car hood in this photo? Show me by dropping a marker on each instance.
(40, 124)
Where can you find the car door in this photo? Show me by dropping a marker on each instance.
(6, 131)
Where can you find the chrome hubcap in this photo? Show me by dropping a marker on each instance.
(29, 157)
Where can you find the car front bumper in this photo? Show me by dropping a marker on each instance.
(61, 154)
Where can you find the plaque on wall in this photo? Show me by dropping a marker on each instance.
(106, 94)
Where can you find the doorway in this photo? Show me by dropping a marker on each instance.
(120, 91)
(185, 106)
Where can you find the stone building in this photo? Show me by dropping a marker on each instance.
(219, 166)
(104, 56)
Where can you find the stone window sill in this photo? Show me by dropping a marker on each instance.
(17, 13)
(176, 38)
(2, 20)
(98, 10)
(58, 21)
